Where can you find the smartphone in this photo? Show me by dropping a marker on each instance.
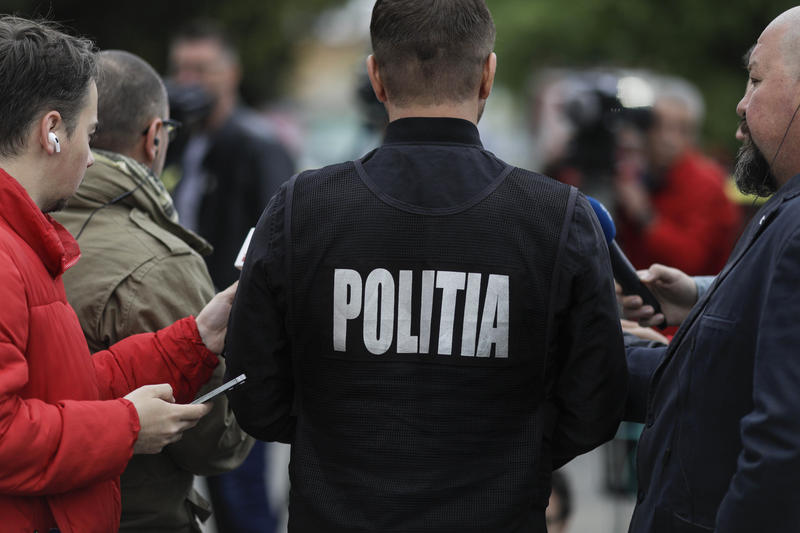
(239, 262)
(222, 388)
(627, 278)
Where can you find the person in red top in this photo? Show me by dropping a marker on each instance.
(678, 214)
(70, 420)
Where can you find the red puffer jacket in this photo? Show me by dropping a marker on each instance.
(64, 438)
(695, 224)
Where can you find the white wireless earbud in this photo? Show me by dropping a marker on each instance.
(53, 139)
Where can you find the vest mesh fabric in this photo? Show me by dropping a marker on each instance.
(420, 442)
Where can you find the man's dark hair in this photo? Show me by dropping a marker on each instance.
(207, 30)
(129, 94)
(41, 69)
(431, 51)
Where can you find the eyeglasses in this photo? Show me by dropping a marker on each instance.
(172, 126)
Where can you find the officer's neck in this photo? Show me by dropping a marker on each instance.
(467, 110)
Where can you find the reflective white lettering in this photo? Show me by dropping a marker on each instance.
(450, 283)
(495, 311)
(471, 315)
(406, 342)
(388, 328)
(426, 310)
(346, 304)
(378, 311)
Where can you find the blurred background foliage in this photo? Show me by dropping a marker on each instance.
(702, 41)
(265, 31)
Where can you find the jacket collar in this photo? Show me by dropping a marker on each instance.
(432, 130)
(54, 245)
(114, 174)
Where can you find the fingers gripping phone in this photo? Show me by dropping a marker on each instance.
(222, 388)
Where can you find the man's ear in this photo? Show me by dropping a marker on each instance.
(487, 79)
(375, 79)
(152, 140)
(49, 123)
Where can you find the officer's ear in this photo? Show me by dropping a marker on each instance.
(375, 79)
(487, 78)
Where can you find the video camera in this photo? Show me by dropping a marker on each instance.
(598, 105)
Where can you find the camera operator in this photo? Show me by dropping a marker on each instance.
(676, 212)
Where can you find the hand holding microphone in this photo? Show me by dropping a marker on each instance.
(675, 290)
(623, 270)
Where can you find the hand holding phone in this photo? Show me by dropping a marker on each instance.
(222, 388)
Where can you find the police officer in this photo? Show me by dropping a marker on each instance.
(431, 329)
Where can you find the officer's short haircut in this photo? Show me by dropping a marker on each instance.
(41, 69)
(129, 95)
(431, 51)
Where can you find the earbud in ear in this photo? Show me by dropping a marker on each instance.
(53, 139)
(156, 141)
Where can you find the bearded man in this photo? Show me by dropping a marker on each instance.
(721, 405)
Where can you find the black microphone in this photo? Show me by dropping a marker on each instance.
(623, 270)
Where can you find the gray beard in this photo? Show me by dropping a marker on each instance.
(752, 173)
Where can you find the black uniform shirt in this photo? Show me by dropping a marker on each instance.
(437, 164)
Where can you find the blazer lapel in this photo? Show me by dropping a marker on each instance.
(757, 224)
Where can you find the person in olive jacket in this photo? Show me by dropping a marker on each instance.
(140, 271)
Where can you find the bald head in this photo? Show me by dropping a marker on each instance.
(786, 27)
(130, 95)
(769, 107)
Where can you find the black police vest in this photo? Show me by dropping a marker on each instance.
(419, 338)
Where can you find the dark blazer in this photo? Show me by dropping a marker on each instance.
(721, 405)
(243, 169)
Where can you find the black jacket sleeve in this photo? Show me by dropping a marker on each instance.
(588, 358)
(257, 343)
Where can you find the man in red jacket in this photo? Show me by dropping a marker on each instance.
(69, 420)
(678, 213)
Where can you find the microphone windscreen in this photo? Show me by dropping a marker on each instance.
(609, 230)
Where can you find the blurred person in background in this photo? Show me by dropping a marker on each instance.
(575, 119)
(676, 291)
(70, 420)
(673, 208)
(230, 167)
(140, 271)
(580, 122)
(230, 164)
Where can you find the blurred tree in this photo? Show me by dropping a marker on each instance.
(701, 41)
(265, 31)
